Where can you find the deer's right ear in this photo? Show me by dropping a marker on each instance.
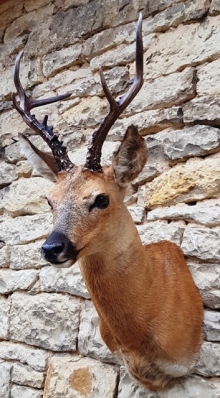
(44, 163)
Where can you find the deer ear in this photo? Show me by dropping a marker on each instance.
(130, 158)
(44, 163)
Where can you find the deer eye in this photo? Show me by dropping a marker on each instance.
(101, 202)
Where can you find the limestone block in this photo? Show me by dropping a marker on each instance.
(65, 280)
(26, 196)
(49, 321)
(10, 124)
(24, 229)
(25, 392)
(31, 5)
(27, 256)
(5, 369)
(137, 213)
(7, 16)
(25, 375)
(65, 4)
(148, 122)
(28, 22)
(201, 242)
(104, 40)
(7, 174)
(34, 357)
(189, 44)
(177, 14)
(23, 169)
(5, 256)
(79, 155)
(161, 230)
(12, 153)
(206, 277)
(197, 179)
(165, 91)
(205, 108)
(11, 280)
(209, 360)
(212, 325)
(4, 317)
(193, 141)
(191, 387)
(90, 342)
(72, 376)
(206, 212)
(214, 7)
(39, 40)
(208, 78)
(160, 5)
(64, 58)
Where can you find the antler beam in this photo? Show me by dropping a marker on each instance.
(46, 132)
(93, 157)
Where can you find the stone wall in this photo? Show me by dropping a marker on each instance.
(49, 339)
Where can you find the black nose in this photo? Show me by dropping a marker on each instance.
(58, 248)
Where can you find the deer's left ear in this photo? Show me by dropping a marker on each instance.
(130, 157)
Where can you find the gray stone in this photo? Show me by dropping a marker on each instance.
(11, 280)
(49, 321)
(7, 174)
(193, 141)
(27, 256)
(165, 91)
(206, 277)
(206, 212)
(212, 325)
(31, 5)
(26, 196)
(160, 5)
(12, 153)
(24, 229)
(25, 375)
(66, 280)
(4, 317)
(7, 16)
(214, 7)
(5, 377)
(205, 108)
(161, 230)
(90, 342)
(201, 242)
(25, 392)
(208, 78)
(34, 357)
(209, 360)
(191, 387)
(64, 58)
(137, 213)
(5, 256)
(72, 376)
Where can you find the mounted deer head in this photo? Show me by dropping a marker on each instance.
(149, 308)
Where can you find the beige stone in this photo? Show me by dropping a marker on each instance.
(160, 230)
(5, 378)
(25, 392)
(64, 58)
(10, 11)
(196, 180)
(5, 256)
(189, 44)
(34, 357)
(26, 196)
(72, 376)
(209, 360)
(205, 109)
(27, 256)
(211, 325)
(7, 174)
(25, 375)
(201, 242)
(215, 7)
(208, 78)
(4, 316)
(11, 280)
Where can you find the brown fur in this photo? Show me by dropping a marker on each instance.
(149, 307)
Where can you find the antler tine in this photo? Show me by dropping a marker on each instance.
(116, 107)
(46, 132)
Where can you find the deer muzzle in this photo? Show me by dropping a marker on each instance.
(59, 250)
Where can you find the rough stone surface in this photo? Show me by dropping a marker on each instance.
(74, 376)
(66, 280)
(195, 180)
(7, 174)
(209, 360)
(202, 109)
(5, 256)
(11, 280)
(55, 61)
(211, 325)
(25, 375)
(137, 213)
(34, 357)
(161, 230)
(90, 342)
(206, 212)
(21, 230)
(4, 316)
(22, 197)
(45, 321)
(25, 392)
(201, 242)
(5, 369)
(27, 256)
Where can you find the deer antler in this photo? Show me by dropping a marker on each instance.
(46, 132)
(116, 107)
